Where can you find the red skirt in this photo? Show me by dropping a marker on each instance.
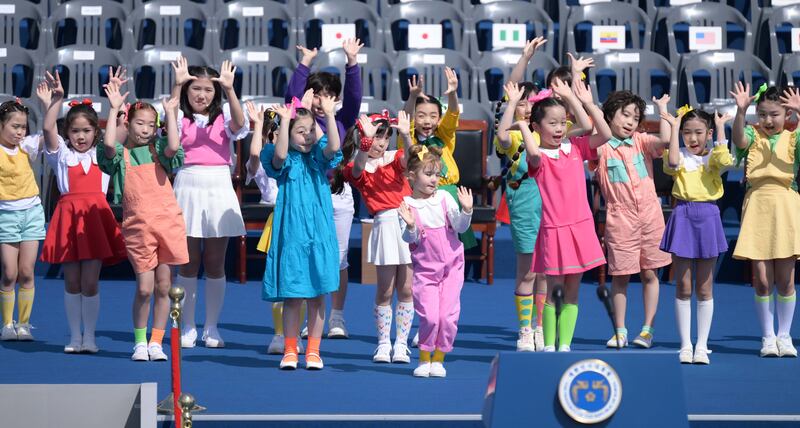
(83, 227)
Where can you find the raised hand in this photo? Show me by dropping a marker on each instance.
(181, 69)
(405, 213)
(513, 92)
(255, 113)
(308, 54)
(118, 77)
(170, 106)
(415, 86)
(530, 48)
(351, 48)
(561, 89)
(465, 198)
(721, 119)
(741, 93)
(452, 80)
(283, 111)
(403, 125)
(45, 93)
(308, 99)
(579, 64)
(226, 75)
(583, 93)
(662, 102)
(115, 98)
(367, 127)
(328, 104)
(791, 99)
(55, 84)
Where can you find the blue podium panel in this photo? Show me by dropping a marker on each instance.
(606, 388)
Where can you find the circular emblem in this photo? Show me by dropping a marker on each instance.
(590, 391)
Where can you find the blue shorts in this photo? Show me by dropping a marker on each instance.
(22, 225)
(525, 210)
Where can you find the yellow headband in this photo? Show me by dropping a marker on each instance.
(422, 153)
(685, 109)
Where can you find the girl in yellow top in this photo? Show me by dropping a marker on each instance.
(21, 218)
(770, 231)
(694, 234)
(431, 128)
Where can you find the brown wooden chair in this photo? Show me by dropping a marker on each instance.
(470, 156)
(254, 213)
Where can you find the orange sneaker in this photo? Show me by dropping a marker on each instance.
(289, 361)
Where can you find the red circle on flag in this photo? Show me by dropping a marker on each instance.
(424, 35)
(338, 35)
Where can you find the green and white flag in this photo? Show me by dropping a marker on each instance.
(508, 36)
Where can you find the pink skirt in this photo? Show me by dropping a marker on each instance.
(567, 249)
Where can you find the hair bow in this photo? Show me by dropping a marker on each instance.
(421, 154)
(384, 115)
(761, 89)
(17, 100)
(542, 95)
(294, 105)
(685, 109)
(85, 101)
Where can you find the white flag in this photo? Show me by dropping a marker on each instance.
(333, 35)
(508, 36)
(424, 36)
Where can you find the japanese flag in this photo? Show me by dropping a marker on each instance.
(424, 36)
(333, 35)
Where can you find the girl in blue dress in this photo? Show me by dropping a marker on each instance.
(303, 259)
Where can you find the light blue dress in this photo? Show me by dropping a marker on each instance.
(303, 258)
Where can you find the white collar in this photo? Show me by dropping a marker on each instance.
(11, 152)
(434, 200)
(373, 164)
(565, 147)
(692, 162)
(85, 159)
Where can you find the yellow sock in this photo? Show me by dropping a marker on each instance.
(277, 318)
(7, 300)
(25, 304)
(424, 357)
(438, 356)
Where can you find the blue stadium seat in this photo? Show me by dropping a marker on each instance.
(87, 22)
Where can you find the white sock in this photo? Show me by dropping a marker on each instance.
(766, 316)
(404, 315)
(683, 316)
(337, 313)
(215, 297)
(72, 306)
(705, 311)
(383, 322)
(785, 308)
(189, 300)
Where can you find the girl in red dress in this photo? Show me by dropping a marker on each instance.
(83, 234)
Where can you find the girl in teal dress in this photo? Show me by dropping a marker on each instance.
(303, 259)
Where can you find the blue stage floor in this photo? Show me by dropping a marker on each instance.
(242, 379)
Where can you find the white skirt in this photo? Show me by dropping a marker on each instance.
(208, 201)
(386, 246)
(343, 211)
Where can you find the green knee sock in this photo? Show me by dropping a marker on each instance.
(566, 323)
(140, 335)
(549, 325)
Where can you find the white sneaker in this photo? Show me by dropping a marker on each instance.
(415, 341)
(9, 332)
(74, 346)
(538, 339)
(769, 347)
(212, 338)
(276, 345)
(304, 333)
(140, 352)
(401, 353)
(685, 355)
(550, 348)
(89, 346)
(437, 370)
(423, 369)
(612, 343)
(188, 337)
(564, 348)
(382, 353)
(156, 352)
(336, 329)
(701, 356)
(526, 343)
(24, 332)
(785, 346)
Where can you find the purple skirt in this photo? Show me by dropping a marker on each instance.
(694, 231)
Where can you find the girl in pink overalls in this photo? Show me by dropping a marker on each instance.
(433, 221)
(152, 222)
